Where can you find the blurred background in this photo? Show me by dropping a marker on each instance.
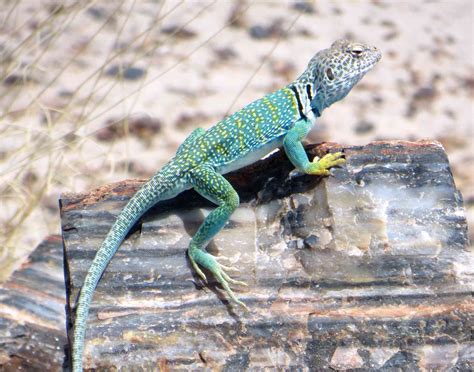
(97, 92)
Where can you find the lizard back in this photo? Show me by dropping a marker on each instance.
(246, 135)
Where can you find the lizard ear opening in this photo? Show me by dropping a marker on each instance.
(329, 73)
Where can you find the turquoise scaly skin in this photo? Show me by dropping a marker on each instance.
(282, 118)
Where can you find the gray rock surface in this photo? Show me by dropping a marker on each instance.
(368, 268)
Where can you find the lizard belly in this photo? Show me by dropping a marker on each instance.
(251, 156)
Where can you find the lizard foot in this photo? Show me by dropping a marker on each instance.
(321, 166)
(199, 257)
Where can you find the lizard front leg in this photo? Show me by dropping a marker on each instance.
(214, 187)
(295, 152)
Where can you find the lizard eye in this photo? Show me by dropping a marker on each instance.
(329, 73)
(356, 51)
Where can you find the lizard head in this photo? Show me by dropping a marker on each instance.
(333, 72)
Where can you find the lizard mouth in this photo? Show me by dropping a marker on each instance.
(375, 59)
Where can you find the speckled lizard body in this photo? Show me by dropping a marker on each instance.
(282, 118)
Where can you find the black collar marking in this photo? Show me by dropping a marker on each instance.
(298, 99)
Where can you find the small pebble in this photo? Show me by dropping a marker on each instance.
(311, 241)
(260, 32)
(264, 32)
(128, 73)
(178, 32)
(364, 127)
(225, 54)
(97, 13)
(304, 6)
(133, 73)
(141, 127)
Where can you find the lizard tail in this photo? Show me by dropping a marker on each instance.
(159, 187)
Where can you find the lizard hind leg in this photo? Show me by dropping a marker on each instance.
(214, 187)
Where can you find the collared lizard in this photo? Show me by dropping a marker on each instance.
(282, 118)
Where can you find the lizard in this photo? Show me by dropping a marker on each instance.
(279, 119)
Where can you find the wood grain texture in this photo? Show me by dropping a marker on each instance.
(368, 268)
(32, 312)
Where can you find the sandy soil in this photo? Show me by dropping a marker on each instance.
(72, 71)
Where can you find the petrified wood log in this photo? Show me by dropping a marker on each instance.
(32, 312)
(365, 269)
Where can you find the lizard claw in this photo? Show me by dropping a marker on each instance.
(199, 271)
(230, 268)
(218, 270)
